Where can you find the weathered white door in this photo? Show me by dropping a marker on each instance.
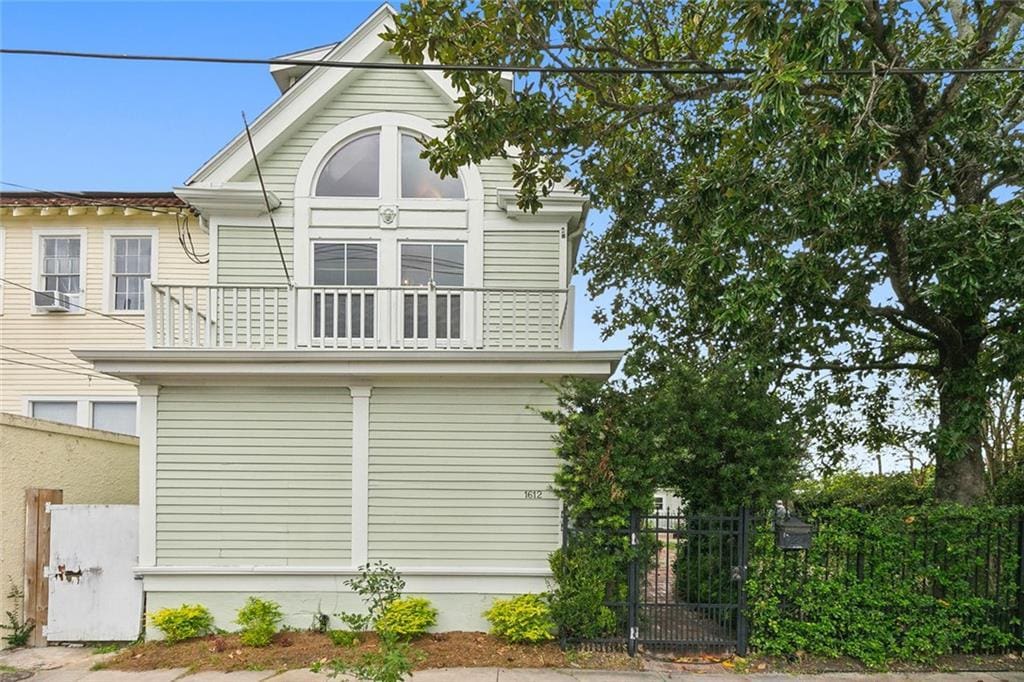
(94, 596)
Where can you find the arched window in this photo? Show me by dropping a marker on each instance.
(353, 170)
(418, 181)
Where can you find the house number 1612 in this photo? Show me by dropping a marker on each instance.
(533, 494)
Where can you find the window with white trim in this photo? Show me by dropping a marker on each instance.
(437, 265)
(108, 414)
(61, 267)
(347, 312)
(131, 267)
(356, 168)
(353, 170)
(116, 416)
(63, 411)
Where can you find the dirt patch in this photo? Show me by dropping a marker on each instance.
(291, 650)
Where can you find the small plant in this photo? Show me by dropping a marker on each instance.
(392, 662)
(343, 637)
(108, 648)
(188, 621)
(321, 621)
(526, 618)
(19, 630)
(259, 619)
(378, 584)
(407, 617)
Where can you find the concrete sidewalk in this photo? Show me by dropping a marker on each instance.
(67, 664)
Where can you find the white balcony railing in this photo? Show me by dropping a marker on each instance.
(374, 318)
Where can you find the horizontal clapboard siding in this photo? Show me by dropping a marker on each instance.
(248, 255)
(448, 471)
(369, 92)
(254, 476)
(515, 260)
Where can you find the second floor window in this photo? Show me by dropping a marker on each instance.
(361, 168)
(444, 265)
(131, 268)
(62, 264)
(344, 312)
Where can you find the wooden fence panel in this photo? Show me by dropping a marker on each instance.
(37, 558)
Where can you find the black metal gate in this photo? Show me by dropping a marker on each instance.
(684, 583)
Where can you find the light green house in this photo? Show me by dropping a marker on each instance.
(379, 400)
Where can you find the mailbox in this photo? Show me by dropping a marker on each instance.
(793, 533)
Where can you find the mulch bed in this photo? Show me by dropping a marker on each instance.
(291, 650)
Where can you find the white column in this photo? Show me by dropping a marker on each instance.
(360, 472)
(147, 474)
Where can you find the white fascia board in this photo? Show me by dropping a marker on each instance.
(189, 366)
(239, 199)
(363, 44)
(563, 204)
(299, 99)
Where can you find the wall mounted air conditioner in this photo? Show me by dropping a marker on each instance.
(53, 301)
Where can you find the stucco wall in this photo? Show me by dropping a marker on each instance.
(89, 466)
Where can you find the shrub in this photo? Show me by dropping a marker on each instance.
(526, 618)
(407, 617)
(343, 637)
(378, 584)
(188, 621)
(892, 585)
(858, 490)
(585, 578)
(259, 619)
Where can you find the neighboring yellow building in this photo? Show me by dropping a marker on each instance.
(95, 249)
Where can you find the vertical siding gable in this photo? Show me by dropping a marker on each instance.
(250, 475)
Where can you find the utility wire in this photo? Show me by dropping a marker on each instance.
(55, 369)
(266, 200)
(76, 305)
(50, 359)
(514, 68)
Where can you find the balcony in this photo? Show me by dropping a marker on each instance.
(347, 318)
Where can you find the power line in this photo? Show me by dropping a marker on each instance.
(55, 369)
(514, 68)
(76, 305)
(50, 359)
(266, 200)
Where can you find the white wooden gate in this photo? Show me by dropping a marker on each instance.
(94, 596)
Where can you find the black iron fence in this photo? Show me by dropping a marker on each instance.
(680, 580)
(679, 584)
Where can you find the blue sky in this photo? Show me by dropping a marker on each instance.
(100, 125)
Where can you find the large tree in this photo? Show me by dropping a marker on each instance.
(835, 195)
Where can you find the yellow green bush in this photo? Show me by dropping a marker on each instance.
(525, 618)
(188, 621)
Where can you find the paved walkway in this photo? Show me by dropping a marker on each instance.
(63, 664)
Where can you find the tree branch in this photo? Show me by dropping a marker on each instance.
(879, 366)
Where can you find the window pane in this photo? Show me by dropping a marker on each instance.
(54, 411)
(362, 265)
(418, 181)
(353, 171)
(415, 264)
(61, 264)
(329, 264)
(448, 265)
(415, 316)
(116, 417)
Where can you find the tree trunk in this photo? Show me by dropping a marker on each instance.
(959, 460)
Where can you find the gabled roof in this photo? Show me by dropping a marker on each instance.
(364, 44)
